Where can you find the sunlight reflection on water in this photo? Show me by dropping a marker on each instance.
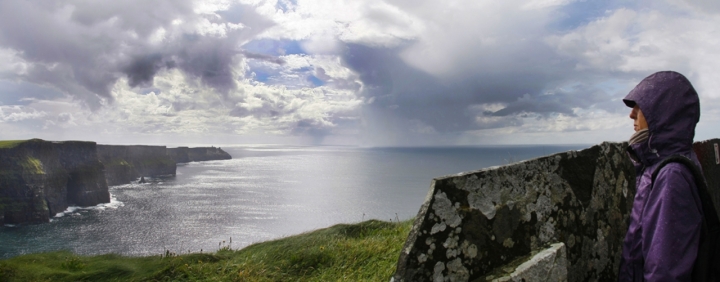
(264, 193)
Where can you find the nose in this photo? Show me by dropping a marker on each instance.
(633, 112)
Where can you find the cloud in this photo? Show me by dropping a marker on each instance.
(374, 72)
(82, 48)
(19, 113)
(438, 80)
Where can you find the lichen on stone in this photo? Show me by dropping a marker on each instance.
(480, 221)
(445, 210)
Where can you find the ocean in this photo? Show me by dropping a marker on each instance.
(265, 192)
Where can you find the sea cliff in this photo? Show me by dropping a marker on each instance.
(124, 164)
(39, 179)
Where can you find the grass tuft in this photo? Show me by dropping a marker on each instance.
(32, 165)
(366, 251)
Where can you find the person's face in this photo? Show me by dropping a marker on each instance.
(638, 118)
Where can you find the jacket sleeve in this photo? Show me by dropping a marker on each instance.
(671, 226)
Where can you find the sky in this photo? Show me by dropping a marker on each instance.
(346, 72)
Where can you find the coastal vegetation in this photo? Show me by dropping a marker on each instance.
(10, 143)
(32, 165)
(365, 251)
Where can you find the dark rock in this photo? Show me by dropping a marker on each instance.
(478, 225)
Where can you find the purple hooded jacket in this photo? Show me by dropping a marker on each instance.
(662, 240)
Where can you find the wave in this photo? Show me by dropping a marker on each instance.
(74, 210)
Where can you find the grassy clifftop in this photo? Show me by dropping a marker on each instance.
(367, 251)
(10, 143)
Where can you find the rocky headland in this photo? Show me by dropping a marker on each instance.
(39, 178)
(186, 155)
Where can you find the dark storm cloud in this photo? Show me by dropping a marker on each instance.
(398, 90)
(81, 48)
(142, 69)
(559, 101)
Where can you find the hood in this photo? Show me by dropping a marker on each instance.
(672, 109)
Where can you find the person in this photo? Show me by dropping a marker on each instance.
(663, 235)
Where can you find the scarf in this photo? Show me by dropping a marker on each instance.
(639, 136)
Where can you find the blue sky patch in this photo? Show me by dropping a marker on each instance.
(283, 4)
(579, 13)
(11, 92)
(316, 81)
(261, 75)
(274, 47)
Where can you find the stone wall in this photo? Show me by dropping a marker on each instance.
(708, 153)
(480, 225)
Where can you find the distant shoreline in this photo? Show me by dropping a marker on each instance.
(42, 178)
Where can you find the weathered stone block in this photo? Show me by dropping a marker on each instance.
(476, 222)
(481, 223)
(548, 265)
(708, 153)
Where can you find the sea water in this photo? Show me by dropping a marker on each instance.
(265, 192)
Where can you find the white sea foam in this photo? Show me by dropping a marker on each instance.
(74, 210)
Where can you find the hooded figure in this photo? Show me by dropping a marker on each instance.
(662, 240)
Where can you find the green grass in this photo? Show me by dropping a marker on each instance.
(366, 251)
(6, 144)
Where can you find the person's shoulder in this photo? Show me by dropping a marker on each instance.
(675, 167)
(676, 173)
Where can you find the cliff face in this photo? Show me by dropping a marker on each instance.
(124, 164)
(492, 224)
(86, 184)
(39, 179)
(179, 154)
